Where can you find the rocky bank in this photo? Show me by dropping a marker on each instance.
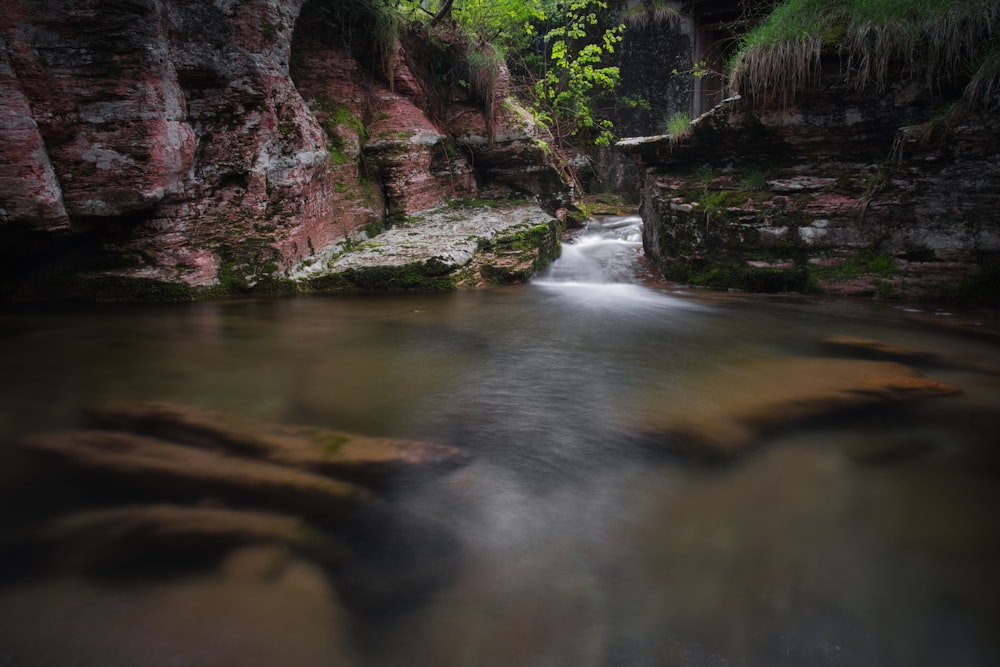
(161, 149)
(889, 193)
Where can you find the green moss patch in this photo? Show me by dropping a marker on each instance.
(421, 277)
(250, 267)
(737, 276)
(123, 288)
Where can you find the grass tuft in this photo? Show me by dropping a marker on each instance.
(482, 64)
(930, 39)
(983, 91)
(656, 14)
(754, 179)
(704, 173)
(678, 127)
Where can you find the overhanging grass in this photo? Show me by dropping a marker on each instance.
(657, 14)
(936, 40)
(983, 90)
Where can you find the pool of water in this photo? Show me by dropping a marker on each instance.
(577, 542)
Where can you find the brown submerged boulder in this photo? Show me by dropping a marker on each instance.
(122, 533)
(876, 349)
(158, 484)
(347, 456)
(870, 348)
(760, 397)
(138, 460)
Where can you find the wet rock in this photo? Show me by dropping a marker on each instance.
(296, 618)
(984, 324)
(882, 450)
(429, 250)
(257, 562)
(404, 146)
(874, 349)
(343, 455)
(878, 349)
(121, 534)
(212, 487)
(140, 461)
(758, 398)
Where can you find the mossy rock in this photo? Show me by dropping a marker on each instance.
(443, 249)
(112, 288)
(408, 277)
(737, 276)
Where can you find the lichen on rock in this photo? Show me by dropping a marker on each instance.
(449, 247)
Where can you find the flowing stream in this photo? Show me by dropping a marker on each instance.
(575, 538)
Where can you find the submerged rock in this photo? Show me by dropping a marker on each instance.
(984, 324)
(354, 457)
(874, 450)
(875, 349)
(143, 461)
(878, 349)
(761, 397)
(122, 533)
(192, 485)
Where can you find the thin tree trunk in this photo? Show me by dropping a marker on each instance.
(443, 13)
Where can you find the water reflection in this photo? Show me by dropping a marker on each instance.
(867, 538)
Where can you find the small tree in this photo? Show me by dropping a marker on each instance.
(575, 75)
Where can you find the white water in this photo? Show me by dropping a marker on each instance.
(607, 251)
(600, 269)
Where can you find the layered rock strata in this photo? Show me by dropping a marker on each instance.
(840, 193)
(446, 248)
(162, 148)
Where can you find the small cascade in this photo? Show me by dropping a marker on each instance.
(607, 251)
(601, 268)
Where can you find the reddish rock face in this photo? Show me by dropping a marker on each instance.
(31, 191)
(195, 142)
(165, 120)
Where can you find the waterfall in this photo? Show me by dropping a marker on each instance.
(602, 267)
(607, 251)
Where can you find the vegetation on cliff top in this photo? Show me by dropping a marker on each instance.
(556, 53)
(939, 41)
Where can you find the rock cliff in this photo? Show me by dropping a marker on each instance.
(160, 148)
(889, 193)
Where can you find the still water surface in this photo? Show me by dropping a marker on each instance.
(577, 542)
